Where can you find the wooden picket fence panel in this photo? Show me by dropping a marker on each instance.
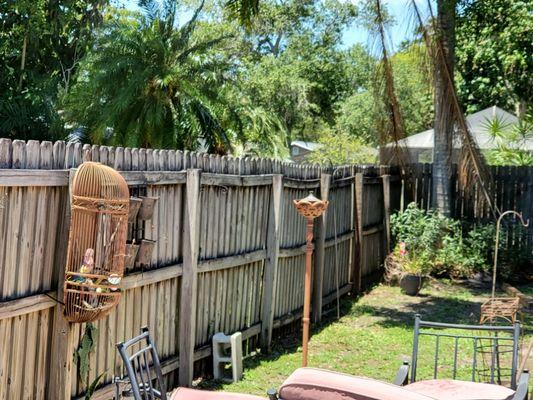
(229, 256)
(511, 188)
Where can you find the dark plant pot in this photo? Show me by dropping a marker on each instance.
(411, 284)
(131, 255)
(135, 205)
(146, 248)
(147, 208)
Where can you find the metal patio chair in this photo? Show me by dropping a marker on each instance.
(143, 368)
(489, 347)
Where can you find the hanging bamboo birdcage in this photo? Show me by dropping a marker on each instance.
(97, 241)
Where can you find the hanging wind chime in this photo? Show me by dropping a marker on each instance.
(311, 208)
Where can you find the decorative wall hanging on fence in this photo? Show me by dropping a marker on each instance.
(97, 240)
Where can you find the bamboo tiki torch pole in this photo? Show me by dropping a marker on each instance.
(311, 208)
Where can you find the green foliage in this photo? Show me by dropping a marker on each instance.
(361, 113)
(41, 44)
(509, 140)
(341, 149)
(92, 387)
(441, 244)
(463, 253)
(146, 83)
(86, 347)
(292, 65)
(494, 53)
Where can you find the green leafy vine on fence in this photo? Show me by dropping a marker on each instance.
(86, 347)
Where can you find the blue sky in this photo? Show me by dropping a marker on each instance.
(401, 30)
(399, 9)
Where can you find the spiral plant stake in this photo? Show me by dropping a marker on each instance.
(97, 241)
(311, 208)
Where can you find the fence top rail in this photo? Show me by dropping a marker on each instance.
(60, 155)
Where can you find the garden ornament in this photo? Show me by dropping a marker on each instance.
(310, 207)
(501, 307)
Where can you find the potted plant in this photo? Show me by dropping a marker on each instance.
(413, 270)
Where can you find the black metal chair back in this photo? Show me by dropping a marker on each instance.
(142, 365)
(489, 347)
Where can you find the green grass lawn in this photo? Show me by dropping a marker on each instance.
(372, 337)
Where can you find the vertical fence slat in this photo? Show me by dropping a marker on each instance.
(320, 231)
(189, 279)
(61, 364)
(271, 263)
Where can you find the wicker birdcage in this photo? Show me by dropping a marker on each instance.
(97, 241)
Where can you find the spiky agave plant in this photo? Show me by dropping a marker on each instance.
(148, 82)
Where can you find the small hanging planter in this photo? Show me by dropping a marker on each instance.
(97, 241)
(135, 205)
(131, 254)
(146, 248)
(146, 211)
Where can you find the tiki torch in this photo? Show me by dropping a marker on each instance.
(311, 208)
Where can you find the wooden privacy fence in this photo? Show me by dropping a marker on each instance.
(229, 256)
(511, 189)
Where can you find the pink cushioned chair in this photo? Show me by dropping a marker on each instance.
(319, 384)
(314, 384)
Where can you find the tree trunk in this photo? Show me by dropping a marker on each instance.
(444, 121)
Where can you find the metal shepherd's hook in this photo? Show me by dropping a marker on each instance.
(524, 223)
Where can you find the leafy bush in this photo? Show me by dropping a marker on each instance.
(438, 245)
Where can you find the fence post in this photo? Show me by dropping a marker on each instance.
(357, 260)
(61, 363)
(271, 264)
(318, 276)
(385, 178)
(189, 279)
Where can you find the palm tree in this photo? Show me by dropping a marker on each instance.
(444, 108)
(148, 83)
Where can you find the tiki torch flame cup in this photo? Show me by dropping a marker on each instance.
(310, 206)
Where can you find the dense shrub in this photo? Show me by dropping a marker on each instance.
(429, 243)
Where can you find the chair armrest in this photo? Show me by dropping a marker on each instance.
(402, 375)
(522, 387)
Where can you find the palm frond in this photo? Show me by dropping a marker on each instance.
(472, 167)
(184, 35)
(243, 10)
(392, 126)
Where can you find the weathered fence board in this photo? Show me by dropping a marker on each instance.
(511, 189)
(237, 266)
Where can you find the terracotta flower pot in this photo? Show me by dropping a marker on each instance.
(135, 205)
(146, 248)
(147, 208)
(411, 284)
(131, 255)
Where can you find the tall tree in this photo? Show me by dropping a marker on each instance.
(444, 107)
(149, 83)
(41, 44)
(494, 63)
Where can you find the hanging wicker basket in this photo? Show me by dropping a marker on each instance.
(97, 241)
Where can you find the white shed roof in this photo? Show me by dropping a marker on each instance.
(477, 123)
(310, 146)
